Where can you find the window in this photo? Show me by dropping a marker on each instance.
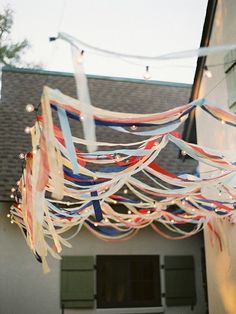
(230, 72)
(128, 281)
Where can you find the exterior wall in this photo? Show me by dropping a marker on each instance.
(221, 266)
(26, 290)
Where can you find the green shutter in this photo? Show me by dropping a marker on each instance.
(180, 280)
(77, 282)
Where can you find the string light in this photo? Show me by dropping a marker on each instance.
(147, 75)
(80, 57)
(8, 215)
(12, 196)
(129, 212)
(125, 191)
(207, 72)
(222, 122)
(29, 108)
(27, 129)
(12, 221)
(133, 127)
(183, 152)
(13, 190)
(22, 156)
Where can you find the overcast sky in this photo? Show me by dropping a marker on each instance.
(147, 27)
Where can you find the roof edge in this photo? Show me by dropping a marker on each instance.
(97, 77)
(189, 132)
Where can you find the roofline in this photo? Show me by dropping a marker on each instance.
(189, 132)
(96, 77)
(205, 40)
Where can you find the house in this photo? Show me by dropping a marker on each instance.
(220, 91)
(166, 275)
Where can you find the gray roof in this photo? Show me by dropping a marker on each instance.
(23, 86)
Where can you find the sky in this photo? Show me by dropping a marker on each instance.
(144, 27)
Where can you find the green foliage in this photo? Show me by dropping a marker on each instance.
(10, 53)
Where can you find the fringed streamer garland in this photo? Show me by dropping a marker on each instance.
(83, 95)
(62, 187)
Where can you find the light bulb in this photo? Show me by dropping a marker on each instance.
(207, 72)
(12, 196)
(125, 191)
(129, 212)
(13, 190)
(147, 75)
(95, 224)
(148, 212)
(22, 156)
(18, 183)
(8, 215)
(29, 108)
(133, 127)
(12, 221)
(80, 57)
(183, 152)
(27, 129)
(222, 122)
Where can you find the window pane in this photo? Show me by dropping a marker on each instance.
(128, 281)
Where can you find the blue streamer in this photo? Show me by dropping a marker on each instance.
(68, 138)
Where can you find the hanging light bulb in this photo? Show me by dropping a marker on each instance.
(125, 191)
(133, 127)
(147, 75)
(27, 129)
(8, 215)
(183, 152)
(12, 221)
(29, 108)
(80, 57)
(13, 190)
(207, 72)
(22, 156)
(12, 196)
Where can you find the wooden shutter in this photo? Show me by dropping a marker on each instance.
(77, 282)
(180, 280)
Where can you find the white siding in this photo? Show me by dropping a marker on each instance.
(24, 289)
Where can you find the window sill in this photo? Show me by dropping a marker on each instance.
(133, 310)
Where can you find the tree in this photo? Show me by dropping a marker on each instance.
(10, 53)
